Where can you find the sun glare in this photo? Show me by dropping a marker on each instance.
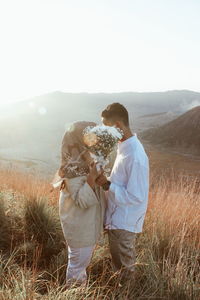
(105, 46)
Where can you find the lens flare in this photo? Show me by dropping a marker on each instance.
(90, 139)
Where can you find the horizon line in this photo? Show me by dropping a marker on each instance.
(96, 93)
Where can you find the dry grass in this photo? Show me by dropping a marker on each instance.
(33, 254)
(27, 185)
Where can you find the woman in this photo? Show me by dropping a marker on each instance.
(81, 203)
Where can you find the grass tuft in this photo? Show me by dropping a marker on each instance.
(43, 230)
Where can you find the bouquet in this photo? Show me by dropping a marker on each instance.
(101, 141)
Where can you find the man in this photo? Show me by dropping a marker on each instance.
(127, 192)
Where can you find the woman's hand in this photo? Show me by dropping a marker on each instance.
(93, 174)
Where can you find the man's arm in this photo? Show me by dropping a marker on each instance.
(136, 189)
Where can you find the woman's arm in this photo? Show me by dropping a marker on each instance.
(81, 192)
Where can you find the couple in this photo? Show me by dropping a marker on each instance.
(89, 201)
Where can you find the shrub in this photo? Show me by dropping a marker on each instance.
(43, 230)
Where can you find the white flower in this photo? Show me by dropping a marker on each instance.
(101, 141)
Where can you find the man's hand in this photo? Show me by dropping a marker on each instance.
(101, 180)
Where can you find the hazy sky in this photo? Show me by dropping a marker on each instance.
(98, 46)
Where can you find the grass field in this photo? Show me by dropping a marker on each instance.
(33, 252)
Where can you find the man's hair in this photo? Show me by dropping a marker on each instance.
(116, 112)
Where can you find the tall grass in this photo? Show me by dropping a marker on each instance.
(27, 185)
(42, 228)
(5, 234)
(33, 253)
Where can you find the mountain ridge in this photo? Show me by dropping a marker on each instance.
(182, 132)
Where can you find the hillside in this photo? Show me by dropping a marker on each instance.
(183, 133)
(31, 130)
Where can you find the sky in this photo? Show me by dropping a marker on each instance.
(98, 46)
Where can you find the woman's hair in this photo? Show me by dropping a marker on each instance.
(116, 112)
(73, 163)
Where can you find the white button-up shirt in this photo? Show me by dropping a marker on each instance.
(128, 192)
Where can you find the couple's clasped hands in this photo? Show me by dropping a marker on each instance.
(95, 176)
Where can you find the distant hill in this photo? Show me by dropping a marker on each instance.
(31, 130)
(140, 103)
(183, 133)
